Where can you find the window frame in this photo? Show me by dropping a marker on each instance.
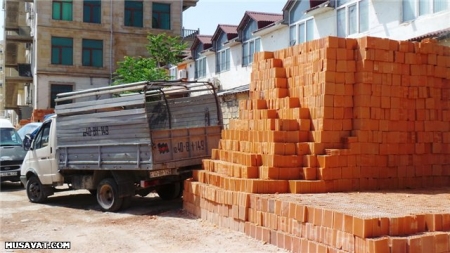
(294, 31)
(94, 8)
(250, 47)
(223, 65)
(91, 52)
(63, 4)
(173, 73)
(62, 52)
(130, 12)
(159, 16)
(418, 11)
(362, 21)
(200, 67)
(54, 91)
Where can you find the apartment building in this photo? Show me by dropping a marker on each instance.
(66, 45)
(226, 59)
(2, 78)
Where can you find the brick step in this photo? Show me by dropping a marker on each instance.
(306, 223)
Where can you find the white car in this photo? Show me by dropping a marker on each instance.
(28, 129)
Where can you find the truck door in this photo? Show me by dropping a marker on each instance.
(42, 157)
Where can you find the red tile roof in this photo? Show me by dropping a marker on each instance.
(261, 16)
(229, 29)
(205, 39)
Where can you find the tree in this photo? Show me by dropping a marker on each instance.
(163, 50)
(136, 69)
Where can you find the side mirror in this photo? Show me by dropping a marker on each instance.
(26, 144)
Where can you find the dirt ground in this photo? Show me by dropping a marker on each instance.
(149, 225)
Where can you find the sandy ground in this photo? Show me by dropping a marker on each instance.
(149, 225)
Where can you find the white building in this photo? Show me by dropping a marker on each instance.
(226, 57)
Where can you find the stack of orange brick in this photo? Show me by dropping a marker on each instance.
(332, 115)
(39, 114)
(290, 222)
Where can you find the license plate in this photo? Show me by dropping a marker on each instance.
(161, 173)
(9, 173)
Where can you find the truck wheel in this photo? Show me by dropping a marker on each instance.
(108, 195)
(170, 191)
(35, 191)
(126, 202)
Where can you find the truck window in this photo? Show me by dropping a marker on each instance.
(42, 137)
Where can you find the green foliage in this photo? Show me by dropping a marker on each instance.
(136, 69)
(163, 50)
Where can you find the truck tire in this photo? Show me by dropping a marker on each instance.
(126, 202)
(35, 190)
(170, 191)
(108, 195)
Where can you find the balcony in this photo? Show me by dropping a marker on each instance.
(189, 3)
(20, 34)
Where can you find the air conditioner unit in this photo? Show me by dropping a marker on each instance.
(182, 74)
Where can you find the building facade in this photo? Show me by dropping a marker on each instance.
(305, 20)
(66, 45)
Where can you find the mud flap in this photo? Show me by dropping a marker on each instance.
(124, 180)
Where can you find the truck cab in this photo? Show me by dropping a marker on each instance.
(40, 165)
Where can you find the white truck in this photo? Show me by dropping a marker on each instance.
(123, 140)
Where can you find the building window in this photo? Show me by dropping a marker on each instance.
(302, 32)
(62, 10)
(173, 72)
(59, 88)
(414, 8)
(62, 51)
(92, 53)
(352, 17)
(250, 47)
(223, 60)
(161, 16)
(200, 67)
(134, 13)
(92, 11)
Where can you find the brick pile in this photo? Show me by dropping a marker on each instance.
(331, 115)
(39, 114)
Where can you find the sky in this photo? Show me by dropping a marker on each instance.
(210, 13)
(207, 14)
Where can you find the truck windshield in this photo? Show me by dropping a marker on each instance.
(9, 137)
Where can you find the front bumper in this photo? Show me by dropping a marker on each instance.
(10, 175)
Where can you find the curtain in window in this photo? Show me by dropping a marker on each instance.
(309, 30)
(292, 35)
(245, 53)
(301, 33)
(363, 16)
(161, 16)
(352, 19)
(408, 10)
(342, 2)
(92, 53)
(92, 11)
(440, 5)
(341, 31)
(133, 13)
(424, 7)
(62, 51)
(62, 10)
(257, 46)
